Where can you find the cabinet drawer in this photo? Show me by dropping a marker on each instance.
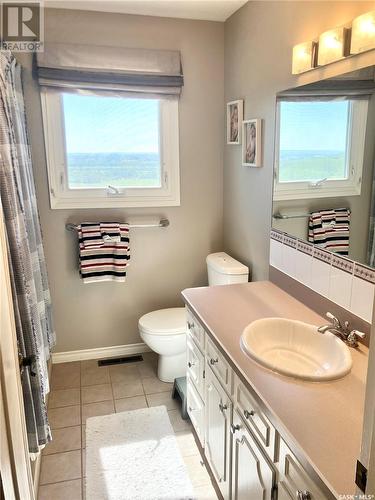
(255, 418)
(195, 408)
(195, 329)
(219, 365)
(293, 478)
(195, 365)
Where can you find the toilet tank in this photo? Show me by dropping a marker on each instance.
(224, 270)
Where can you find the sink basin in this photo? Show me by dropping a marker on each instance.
(296, 349)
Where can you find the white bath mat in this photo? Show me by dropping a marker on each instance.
(134, 455)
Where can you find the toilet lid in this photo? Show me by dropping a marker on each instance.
(165, 321)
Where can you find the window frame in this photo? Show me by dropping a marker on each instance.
(295, 190)
(63, 197)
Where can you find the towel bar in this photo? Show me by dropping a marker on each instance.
(278, 215)
(162, 223)
(295, 216)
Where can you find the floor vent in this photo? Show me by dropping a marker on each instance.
(120, 361)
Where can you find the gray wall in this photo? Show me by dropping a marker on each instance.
(258, 47)
(164, 261)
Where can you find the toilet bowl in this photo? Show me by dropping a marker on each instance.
(164, 331)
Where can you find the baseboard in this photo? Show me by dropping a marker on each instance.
(99, 353)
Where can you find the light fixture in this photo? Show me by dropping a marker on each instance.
(332, 46)
(303, 57)
(363, 33)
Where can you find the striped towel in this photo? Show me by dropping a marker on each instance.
(330, 229)
(103, 251)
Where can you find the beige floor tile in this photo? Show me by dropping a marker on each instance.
(61, 467)
(178, 423)
(71, 490)
(127, 374)
(92, 374)
(95, 393)
(152, 385)
(121, 390)
(64, 397)
(128, 404)
(197, 471)
(206, 492)
(150, 357)
(64, 417)
(83, 436)
(147, 369)
(186, 443)
(66, 376)
(66, 439)
(97, 409)
(162, 399)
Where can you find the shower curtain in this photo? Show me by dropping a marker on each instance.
(31, 298)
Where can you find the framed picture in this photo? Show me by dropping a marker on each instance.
(252, 143)
(234, 120)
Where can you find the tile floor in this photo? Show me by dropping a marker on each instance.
(81, 390)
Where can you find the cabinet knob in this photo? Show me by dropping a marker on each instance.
(191, 409)
(234, 428)
(190, 325)
(190, 364)
(222, 407)
(303, 495)
(214, 361)
(248, 414)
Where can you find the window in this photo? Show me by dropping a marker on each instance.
(319, 148)
(106, 151)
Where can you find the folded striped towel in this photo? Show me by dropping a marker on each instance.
(330, 229)
(103, 251)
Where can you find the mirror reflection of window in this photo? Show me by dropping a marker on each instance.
(320, 145)
(314, 140)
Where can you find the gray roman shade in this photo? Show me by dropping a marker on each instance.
(94, 67)
(330, 90)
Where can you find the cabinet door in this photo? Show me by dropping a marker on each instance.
(253, 477)
(218, 408)
(195, 408)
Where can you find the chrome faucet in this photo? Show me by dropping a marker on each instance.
(350, 337)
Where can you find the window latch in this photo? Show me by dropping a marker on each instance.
(113, 191)
(317, 184)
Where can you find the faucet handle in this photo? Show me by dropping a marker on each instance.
(351, 339)
(335, 321)
(357, 333)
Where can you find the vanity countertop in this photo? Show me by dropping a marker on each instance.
(322, 419)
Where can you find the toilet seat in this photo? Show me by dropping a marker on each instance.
(170, 321)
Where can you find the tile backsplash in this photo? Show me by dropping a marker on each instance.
(347, 283)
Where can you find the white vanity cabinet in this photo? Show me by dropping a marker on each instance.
(294, 483)
(253, 476)
(195, 372)
(247, 456)
(218, 408)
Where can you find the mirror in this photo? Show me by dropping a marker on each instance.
(324, 164)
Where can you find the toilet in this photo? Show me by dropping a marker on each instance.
(164, 330)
